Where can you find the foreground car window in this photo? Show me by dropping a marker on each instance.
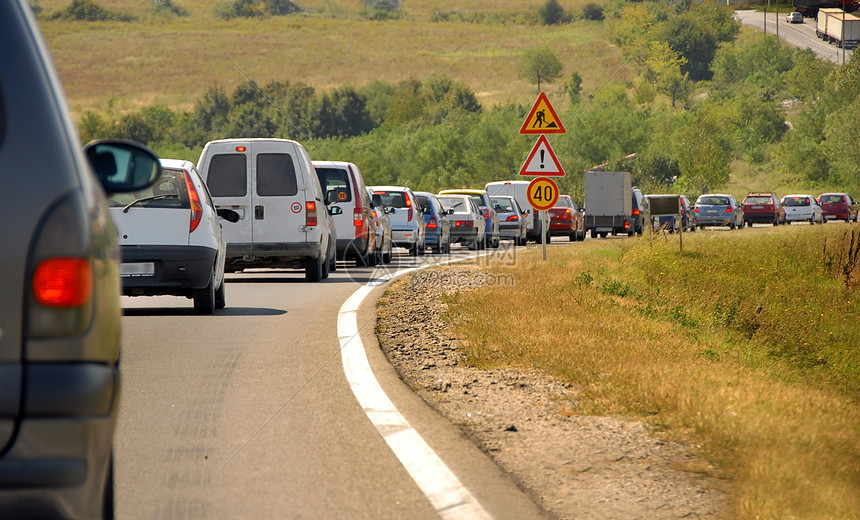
(169, 192)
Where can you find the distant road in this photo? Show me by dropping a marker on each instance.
(798, 35)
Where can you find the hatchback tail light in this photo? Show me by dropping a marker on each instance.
(513, 218)
(196, 206)
(310, 213)
(485, 212)
(432, 223)
(464, 223)
(729, 209)
(63, 282)
(409, 209)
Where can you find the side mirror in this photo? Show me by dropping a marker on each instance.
(449, 211)
(390, 209)
(122, 166)
(330, 196)
(335, 210)
(228, 214)
(526, 212)
(426, 210)
(582, 210)
(376, 200)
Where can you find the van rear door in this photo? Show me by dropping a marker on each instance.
(280, 194)
(228, 176)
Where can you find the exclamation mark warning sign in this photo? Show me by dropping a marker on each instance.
(542, 161)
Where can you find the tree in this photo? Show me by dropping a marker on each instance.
(540, 65)
(703, 156)
(662, 69)
(691, 37)
(551, 13)
(573, 87)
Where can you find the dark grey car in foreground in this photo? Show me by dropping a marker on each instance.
(59, 289)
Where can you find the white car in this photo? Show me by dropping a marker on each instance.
(802, 208)
(170, 238)
(407, 221)
(468, 226)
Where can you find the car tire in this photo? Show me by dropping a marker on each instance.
(108, 496)
(593, 234)
(422, 250)
(326, 268)
(386, 257)
(496, 243)
(221, 295)
(204, 299)
(313, 269)
(332, 263)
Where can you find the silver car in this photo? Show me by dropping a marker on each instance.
(468, 226)
(718, 209)
(61, 316)
(512, 219)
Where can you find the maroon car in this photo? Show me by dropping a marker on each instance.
(838, 206)
(566, 219)
(764, 208)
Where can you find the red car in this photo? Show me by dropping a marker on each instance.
(764, 208)
(566, 219)
(838, 206)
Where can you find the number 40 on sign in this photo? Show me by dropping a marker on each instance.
(542, 193)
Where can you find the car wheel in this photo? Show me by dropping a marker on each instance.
(593, 234)
(422, 249)
(332, 263)
(220, 295)
(326, 268)
(413, 250)
(108, 497)
(204, 299)
(313, 269)
(372, 258)
(386, 257)
(496, 243)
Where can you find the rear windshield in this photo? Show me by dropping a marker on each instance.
(564, 203)
(395, 199)
(713, 201)
(276, 175)
(503, 205)
(796, 201)
(758, 200)
(458, 204)
(831, 199)
(228, 175)
(335, 179)
(170, 191)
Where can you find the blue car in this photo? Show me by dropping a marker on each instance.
(438, 226)
(718, 209)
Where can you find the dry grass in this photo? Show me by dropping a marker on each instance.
(721, 346)
(123, 66)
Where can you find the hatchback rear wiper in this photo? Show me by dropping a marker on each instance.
(144, 199)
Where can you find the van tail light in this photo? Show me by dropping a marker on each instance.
(196, 206)
(310, 213)
(409, 209)
(63, 282)
(431, 224)
(361, 229)
(512, 218)
(635, 211)
(626, 224)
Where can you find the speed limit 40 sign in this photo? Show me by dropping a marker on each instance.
(542, 193)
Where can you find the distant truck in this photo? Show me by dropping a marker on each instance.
(608, 203)
(809, 8)
(837, 26)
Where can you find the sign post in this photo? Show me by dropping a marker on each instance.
(542, 191)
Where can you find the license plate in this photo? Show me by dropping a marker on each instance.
(712, 211)
(602, 229)
(757, 207)
(137, 269)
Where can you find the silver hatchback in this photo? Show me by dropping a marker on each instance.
(718, 209)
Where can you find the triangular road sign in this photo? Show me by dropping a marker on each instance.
(542, 119)
(542, 161)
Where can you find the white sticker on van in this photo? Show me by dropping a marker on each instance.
(296, 207)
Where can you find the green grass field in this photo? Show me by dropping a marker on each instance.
(747, 344)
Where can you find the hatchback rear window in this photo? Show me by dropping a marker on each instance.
(170, 191)
(276, 175)
(758, 200)
(395, 199)
(797, 201)
(504, 205)
(713, 201)
(832, 199)
(335, 179)
(228, 175)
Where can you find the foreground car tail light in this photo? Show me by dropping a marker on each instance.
(729, 209)
(196, 207)
(485, 212)
(63, 282)
(513, 218)
(465, 223)
(695, 209)
(310, 213)
(432, 223)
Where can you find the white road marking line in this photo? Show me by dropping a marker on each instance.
(438, 483)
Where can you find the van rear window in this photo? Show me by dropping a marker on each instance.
(334, 179)
(276, 175)
(228, 175)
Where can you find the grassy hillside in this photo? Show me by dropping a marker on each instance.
(173, 60)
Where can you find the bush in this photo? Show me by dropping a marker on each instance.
(255, 9)
(592, 12)
(166, 6)
(90, 11)
(552, 13)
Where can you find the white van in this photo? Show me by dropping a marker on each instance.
(356, 234)
(519, 191)
(283, 220)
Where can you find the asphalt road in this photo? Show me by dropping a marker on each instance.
(248, 414)
(799, 35)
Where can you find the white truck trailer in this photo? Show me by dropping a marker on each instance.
(836, 26)
(608, 203)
